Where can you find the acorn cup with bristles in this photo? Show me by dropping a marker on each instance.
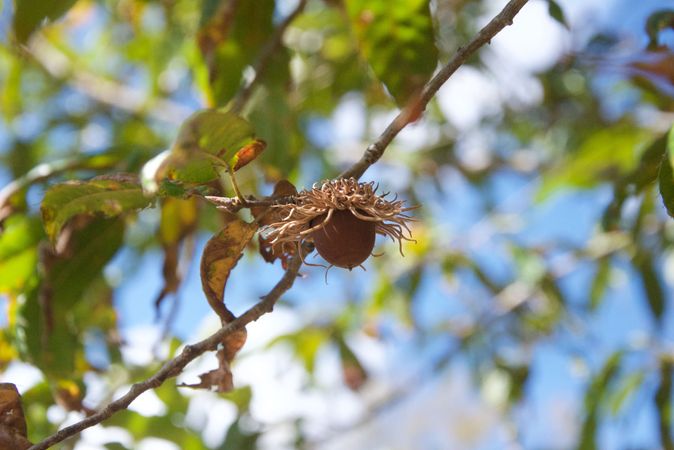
(341, 217)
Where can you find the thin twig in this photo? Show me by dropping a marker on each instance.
(417, 105)
(266, 55)
(174, 367)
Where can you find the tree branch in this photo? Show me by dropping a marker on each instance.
(174, 367)
(411, 112)
(418, 104)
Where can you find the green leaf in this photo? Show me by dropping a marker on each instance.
(353, 372)
(606, 154)
(627, 386)
(238, 438)
(594, 396)
(241, 397)
(663, 403)
(653, 290)
(230, 39)
(208, 140)
(634, 182)
(305, 344)
(658, 21)
(275, 120)
(30, 14)
(18, 252)
(48, 331)
(397, 40)
(557, 13)
(600, 282)
(666, 176)
(110, 196)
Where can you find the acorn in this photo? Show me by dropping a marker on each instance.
(342, 218)
(344, 240)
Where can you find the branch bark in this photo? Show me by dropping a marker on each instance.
(175, 366)
(417, 105)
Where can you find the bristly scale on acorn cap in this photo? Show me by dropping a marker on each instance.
(342, 218)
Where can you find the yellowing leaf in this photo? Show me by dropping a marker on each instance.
(209, 140)
(221, 254)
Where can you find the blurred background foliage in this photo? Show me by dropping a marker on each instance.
(534, 310)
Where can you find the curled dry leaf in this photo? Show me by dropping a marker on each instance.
(265, 215)
(248, 153)
(221, 254)
(13, 430)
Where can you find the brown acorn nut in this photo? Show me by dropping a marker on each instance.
(344, 240)
(354, 212)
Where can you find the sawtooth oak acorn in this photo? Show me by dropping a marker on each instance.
(344, 240)
(341, 217)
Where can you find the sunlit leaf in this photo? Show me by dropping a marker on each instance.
(634, 182)
(108, 196)
(208, 141)
(305, 344)
(397, 40)
(606, 154)
(18, 252)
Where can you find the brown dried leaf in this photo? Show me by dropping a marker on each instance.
(248, 153)
(265, 215)
(221, 254)
(13, 430)
(220, 379)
